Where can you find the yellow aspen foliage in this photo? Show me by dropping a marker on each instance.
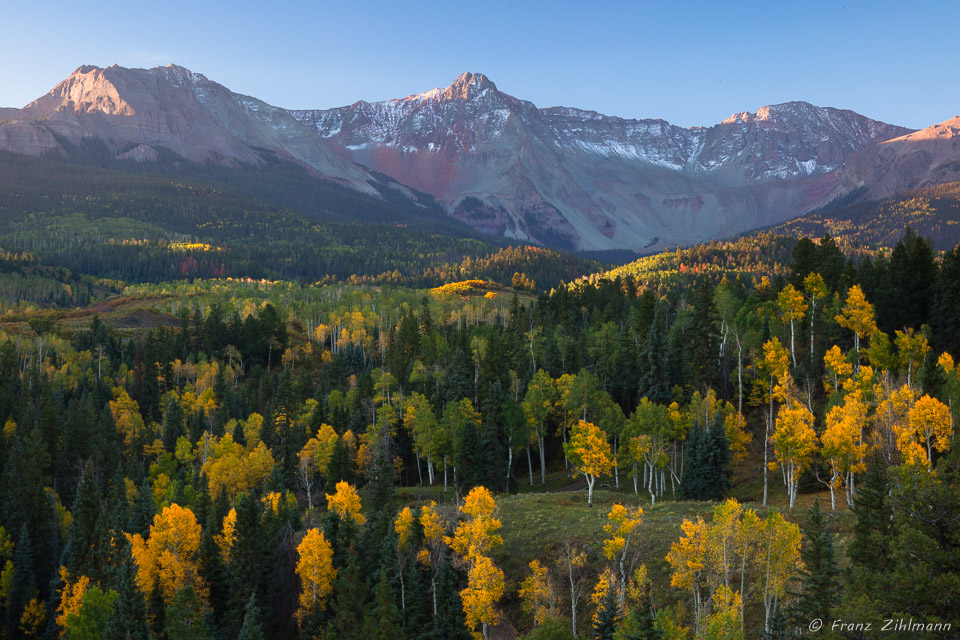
(722, 537)
(589, 452)
(912, 349)
(724, 619)
(71, 596)
(318, 451)
(737, 435)
(842, 441)
(433, 535)
(476, 535)
(892, 419)
(776, 360)
(793, 306)
(403, 525)
(169, 555)
(605, 583)
(857, 316)
(945, 361)
(251, 430)
(316, 572)
(229, 465)
(538, 594)
(623, 527)
(778, 559)
(126, 416)
(345, 502)
(688, 559)
(33, 619)
(931, 428)
(837, 367)
(485, 587)
(794, 443)
(225, 539)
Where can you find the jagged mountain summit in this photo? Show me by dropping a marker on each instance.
(557, 176)
(581, 179)
(137, 111)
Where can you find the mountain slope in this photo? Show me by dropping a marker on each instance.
(569, 177)
(137, 111)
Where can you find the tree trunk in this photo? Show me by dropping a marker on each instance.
(590, 481)
(530, 464)
(543, 461)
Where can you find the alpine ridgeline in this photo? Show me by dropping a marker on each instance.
(556, 176)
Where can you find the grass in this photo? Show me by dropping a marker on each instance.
(537, 519)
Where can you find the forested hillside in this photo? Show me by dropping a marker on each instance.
(755, 436)
(933, 212)
(200, 221)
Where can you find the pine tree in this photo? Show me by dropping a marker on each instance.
(184, 617)
(24, 584)
(144, 509)
(251, 629)
(449, 623)
(83, 525)
(128, 620)
(654, 360)
(416, 616)
(820, 588)
(641, 622)
(349, 605)
(705, 473)
(870, 547)
(608, 615)
(384, 622)
(248, 563)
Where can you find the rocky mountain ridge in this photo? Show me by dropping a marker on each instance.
(558, 176)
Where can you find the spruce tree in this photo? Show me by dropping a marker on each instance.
(641, 622)
(128, 620)
(655, 361)
(820, 588)
(870, 547)
(608, 615)
(349, 605)
(705, 473)
(83, 525)
(248, 563)
(184, 617)
(251, 629)
(24, 584)
(450, 622)
(384, 622)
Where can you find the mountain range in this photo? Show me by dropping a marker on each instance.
(556, 176)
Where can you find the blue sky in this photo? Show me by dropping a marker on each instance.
(692, 63)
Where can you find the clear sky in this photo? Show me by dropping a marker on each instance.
(692, 63)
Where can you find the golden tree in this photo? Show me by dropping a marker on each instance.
(792, 308)
(857, 316)
(779, 561)
(485, 586)
(931, 427)
(476, 535)
(345, 502)
(433, 538)
(794, 443)
(688, 560)
(169, 556)
(623, 526)
(589, 453)
(316, 572)
(538, 594)
(843, 445)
